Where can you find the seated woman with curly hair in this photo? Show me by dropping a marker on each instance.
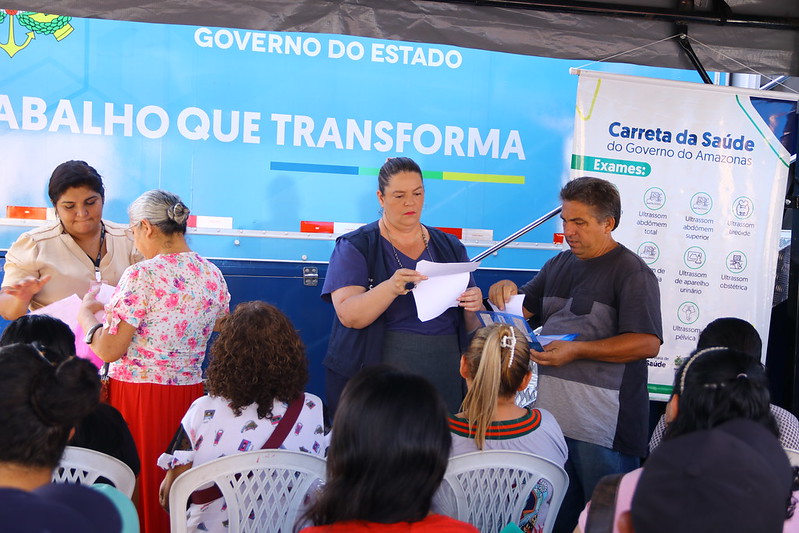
(256, 378)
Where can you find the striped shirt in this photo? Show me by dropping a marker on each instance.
(536, 432)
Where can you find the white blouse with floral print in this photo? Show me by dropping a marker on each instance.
(173, 301)
(214, 431)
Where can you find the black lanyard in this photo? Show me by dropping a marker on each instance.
(96, 261)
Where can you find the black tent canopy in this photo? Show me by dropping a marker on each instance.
(748, 36)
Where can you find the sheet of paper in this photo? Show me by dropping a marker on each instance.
(537, 342)
(546, 339)
(105, 293)
(512, 306)
(446, 281)
(430, 269)
(66, 310)
(488, 318)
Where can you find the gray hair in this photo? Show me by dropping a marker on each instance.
(162, 209)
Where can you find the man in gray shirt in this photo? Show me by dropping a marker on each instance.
(595, 385)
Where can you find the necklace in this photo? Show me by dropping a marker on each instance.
(409, 285)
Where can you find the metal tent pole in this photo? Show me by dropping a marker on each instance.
(501, 244)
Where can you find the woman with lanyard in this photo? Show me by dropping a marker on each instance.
(51, 262)
(369, 280)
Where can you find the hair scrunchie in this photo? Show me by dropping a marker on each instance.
(178, 213)
(509, 341)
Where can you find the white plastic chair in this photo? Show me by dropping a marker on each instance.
(793, 456)
(489, 489)
(84, 466)
(264, 490)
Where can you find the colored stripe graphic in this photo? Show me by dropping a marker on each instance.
(310, 167)
(370, 171)
(654, 388)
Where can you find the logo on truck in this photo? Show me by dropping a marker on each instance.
(36, 23)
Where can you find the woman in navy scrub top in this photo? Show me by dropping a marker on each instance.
(369, 280)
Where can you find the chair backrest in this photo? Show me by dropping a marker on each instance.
(84, 467)
(264, 490)
(490, 489)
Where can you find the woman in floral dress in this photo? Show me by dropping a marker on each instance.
(156, 328)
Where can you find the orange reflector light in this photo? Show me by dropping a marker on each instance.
(29, 213)
(307, 226)
(458, 232)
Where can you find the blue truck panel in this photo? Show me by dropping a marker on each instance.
(282, 284)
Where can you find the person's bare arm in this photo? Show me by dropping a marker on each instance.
(166, 484)
(623, 348)
(500, 292)
(108, 347)
(357, 308)
(472, 301)
(15, 298)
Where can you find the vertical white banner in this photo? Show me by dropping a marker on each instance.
(702, 172)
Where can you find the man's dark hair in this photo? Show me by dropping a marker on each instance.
(600, 194)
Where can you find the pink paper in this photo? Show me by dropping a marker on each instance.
(67, 309)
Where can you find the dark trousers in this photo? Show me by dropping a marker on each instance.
(334, 384)
(586, 465)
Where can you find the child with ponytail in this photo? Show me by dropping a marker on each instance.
(495, 367)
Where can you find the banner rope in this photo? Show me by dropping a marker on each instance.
(628, 51)
(725, 56)
(700, 43)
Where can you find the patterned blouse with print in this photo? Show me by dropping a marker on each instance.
(210, 429)
(173, 301)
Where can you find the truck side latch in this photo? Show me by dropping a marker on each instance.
(310, 276)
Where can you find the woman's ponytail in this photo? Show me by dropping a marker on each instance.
(40, 403)
(67, 392)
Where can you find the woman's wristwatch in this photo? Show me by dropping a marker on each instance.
(90, 333)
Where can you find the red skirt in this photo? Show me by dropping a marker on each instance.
(153, 413)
